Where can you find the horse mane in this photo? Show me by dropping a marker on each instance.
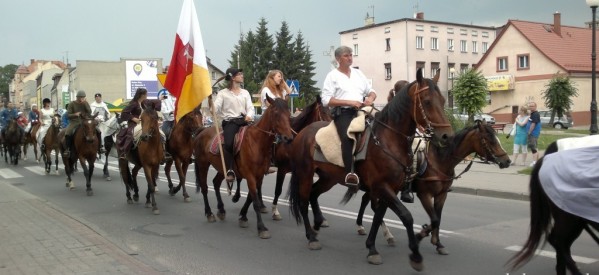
(303, 118)
(455, 141)
(187, 119)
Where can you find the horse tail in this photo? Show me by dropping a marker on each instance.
(540, 219)
(349, 194)
(591, 232)
(293, 194)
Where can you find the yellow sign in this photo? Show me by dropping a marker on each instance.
(500, 83)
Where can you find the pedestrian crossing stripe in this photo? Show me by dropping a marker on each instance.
(37, 169)
(8, 173)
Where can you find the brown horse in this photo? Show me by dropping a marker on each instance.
(147, 155)
(419, 104)
(565, 228)
(437, 171)
(12, 142)
(85, 148)
(31, 139)
(282, 152)
(51, 143)
(180, 145)
(252, 161)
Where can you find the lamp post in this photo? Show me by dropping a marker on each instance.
(593, 4)
(450, 94)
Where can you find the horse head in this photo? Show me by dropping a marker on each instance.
(427, 108)
(278, 118)
(489, 146)
(311, 113)
(88, 125)
(149, 121)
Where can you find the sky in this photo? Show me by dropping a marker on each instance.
(108, 30)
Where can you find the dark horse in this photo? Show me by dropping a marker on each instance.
(147, 155)
(419, 104)
(566, 226)
(12, 142)
(251, 163)
(31, 139)
(180, 145)
(282, 151)
(85, 145)
(51, 143)
(437, 172)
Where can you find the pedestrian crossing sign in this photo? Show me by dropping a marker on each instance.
(294, 87)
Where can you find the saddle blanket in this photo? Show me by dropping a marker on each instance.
(570, 179)
(577, 142)
(237, 143)
(328, 140)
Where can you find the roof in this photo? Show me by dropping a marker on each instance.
(571, 50)
(417, 20)
(22, 69)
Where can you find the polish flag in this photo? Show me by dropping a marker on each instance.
(187, 78)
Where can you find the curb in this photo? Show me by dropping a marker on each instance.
(490, 193)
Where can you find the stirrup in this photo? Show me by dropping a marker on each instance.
(352, 180)
(230, 176)
(406, 196)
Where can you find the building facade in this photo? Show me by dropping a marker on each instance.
(392, 51)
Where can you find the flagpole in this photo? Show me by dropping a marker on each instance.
(220, 144)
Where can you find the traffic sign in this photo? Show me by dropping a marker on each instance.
(294, 86)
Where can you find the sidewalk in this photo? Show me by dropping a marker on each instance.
(36, 238)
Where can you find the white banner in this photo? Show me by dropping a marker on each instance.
(141, 74)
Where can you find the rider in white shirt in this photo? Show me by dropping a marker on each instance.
(103, 114)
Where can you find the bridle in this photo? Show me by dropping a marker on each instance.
(487, 148)
(429, 129)
(149, 134)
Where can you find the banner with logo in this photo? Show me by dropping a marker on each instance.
(141, 74)
(500, 83)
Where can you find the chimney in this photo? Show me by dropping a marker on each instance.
(557, 23)
(420, 15)
(32, 61)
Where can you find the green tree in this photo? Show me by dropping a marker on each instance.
(7, 73)
(284, 50)
(558, 95)
(303, 70)
(470, 93)
(264, 46)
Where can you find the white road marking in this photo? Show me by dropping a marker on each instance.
(551, 254)
(8, 173)
(37, 169)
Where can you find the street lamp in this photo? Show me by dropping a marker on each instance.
(450, 94)
(593, 4)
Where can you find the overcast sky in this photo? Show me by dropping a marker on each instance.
(112, 29)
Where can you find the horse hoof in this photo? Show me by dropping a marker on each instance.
(314, 246)
(210, 218)
(148, 205)
(156, 189)
(442, 251)
(265, 235)
(263, 210)
(108, 179)
(156, 212)
(391, 241)
(129, 201)
(57, 173)
(243, 224)
(136, 198)
(361, 230)
(221, 216)
(375, 259)
(235, 198)
(416, 262)
(170, 192)
(277, 217)
(90, 193)
(325, 223)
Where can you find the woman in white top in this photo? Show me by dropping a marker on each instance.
(46, 114)
(275, 86)
(235, 108)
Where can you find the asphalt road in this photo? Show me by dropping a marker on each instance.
(479, 232)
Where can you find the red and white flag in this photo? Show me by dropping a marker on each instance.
(187, 78)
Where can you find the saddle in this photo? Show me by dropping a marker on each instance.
(328, 143)
(236, 144)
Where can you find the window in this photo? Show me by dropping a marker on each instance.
(463, 32)
(434, 29)
(434, 68)
(420, 65)
(355, 49)
(387, 71)
(213, 75)
(387, 29)
(463, 46)
(450, 30)
(463, 68)
(450, 66)
(419, 28)
(523, 62)
(474, 47)
(474, 33)
(388, 44)
(419, 42)
(355, 36)
(485, 34)
(502, 63)
(450, 45)
(434, 43)
(485, 47)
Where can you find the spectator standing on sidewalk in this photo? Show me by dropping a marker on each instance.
(534, 131)
(520, 134)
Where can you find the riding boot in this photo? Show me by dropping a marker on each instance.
(68, 140)
(406, 194)
(230, 175)
(100, 143)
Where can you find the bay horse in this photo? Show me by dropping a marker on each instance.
(147, 155)
(85, 148)
(51, 143)
(180, 145)
(282, 152)
(566, 226)
(437, 173)
(251, 162)
(419, 104)
(109, 128)
(31, 139)
(12, 143)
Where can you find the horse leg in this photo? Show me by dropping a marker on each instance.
(406, 218)
(237, 192)
(220, 205)
(243, 219)
(88, 170)
(254, 184)
(56, 152)
(167, 173)
(322, 185)
(566, 229)
(373, 255)
(201, 171)
(182, 171)
(108, 143)
(262, 207)
(150, 198)
(363, 204)
(426, 200)
(278, 190)
(134, 172)
(436, 224)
